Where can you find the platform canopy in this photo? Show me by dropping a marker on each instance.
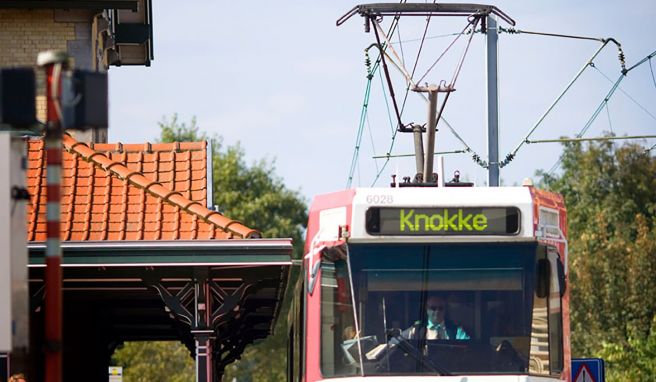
(145, 259)
(147, 291)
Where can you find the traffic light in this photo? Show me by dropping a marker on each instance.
(17, 97)
(84, 100)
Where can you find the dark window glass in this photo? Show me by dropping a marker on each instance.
(555, 319)
(431, 309)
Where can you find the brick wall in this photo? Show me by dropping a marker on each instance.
(25, 33)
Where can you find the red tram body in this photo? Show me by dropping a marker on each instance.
(373, 258)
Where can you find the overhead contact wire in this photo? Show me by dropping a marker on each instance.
(447, 49)
(512, 154)
(358, 139)
(651, 148)
(464, 54)
(652, 73)
(601, 105)
(398, 34)
(591, 120)
(389, 112)
(363, 113)
(519, 31)
(405, 98)
(627, 95)
(387, 75)
(371, 137)
(410, 83)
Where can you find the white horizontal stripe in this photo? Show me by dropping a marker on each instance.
(268, 244)
(54, 174)
(53, 212)
(53, 247)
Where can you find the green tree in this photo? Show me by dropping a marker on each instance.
(172, 130)
(155, 361)
(610, 193)
(254, 195)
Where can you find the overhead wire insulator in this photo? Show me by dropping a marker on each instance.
(480, 162)
(367, 64)
(509, 30)
(620, 55)
(507, 160)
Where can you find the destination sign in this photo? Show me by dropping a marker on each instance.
(440, 221)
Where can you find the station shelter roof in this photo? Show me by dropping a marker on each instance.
(129, 192)
(134, 226)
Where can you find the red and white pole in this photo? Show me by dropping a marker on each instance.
(53, 62)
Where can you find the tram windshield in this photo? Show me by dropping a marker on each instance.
(440, 309)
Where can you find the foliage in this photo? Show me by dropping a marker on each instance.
(254, 195)
(171, 130)
(155, 361)
(633, 362)
(611, 200)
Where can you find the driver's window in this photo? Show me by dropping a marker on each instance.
(555, 318)
(337, 324)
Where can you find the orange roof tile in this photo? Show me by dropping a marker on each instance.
(128, 192)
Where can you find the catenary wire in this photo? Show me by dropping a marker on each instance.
(627, 95)
(398, 34)
(405, 98)
(607, 138)
(358, 139)
(585, 128)
(519, 31)
(409, 80)
(409, 77)
(446, 50)
(365, 106)
(389, 112)
(590, 121)
(530, 131)
(388, 155)
(652, 73)
(429, 37)
(610, 122)
(373, 144)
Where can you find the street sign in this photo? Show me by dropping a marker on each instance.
(115, 374)
(588, 370)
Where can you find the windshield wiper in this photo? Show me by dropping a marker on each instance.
(414, 352)
(417, 354)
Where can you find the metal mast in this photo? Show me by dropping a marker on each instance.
(492, 100)
(487, 14)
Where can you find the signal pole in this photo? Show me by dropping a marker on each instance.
(492, 101)
(54, 63)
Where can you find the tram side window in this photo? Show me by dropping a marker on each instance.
(337, 323)
(546, 329)
(539, 359)
(290, 355)
(555, 318)
(295, 338)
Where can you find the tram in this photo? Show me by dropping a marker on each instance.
(375, 258)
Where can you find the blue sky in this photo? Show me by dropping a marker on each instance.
(287, 84)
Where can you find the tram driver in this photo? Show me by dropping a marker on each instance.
(437, 325)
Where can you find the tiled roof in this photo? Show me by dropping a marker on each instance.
(128, 192)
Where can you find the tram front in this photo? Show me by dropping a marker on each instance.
(432, 283)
